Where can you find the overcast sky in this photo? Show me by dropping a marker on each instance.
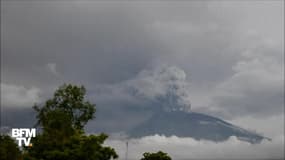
(225, 57)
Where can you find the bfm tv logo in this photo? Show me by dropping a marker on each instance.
(23, 135)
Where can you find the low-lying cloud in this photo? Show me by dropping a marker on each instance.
(19, 96)
(188, 148)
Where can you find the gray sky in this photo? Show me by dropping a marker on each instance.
(226, 57)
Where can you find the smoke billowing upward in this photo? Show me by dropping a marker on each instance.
(164, 87)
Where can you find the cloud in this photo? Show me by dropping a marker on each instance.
(106, 46)
(96, 43)
(19, 96)
(188, 148)
(256, 87)
(82, 39)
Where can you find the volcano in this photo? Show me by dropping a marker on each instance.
(195, 125)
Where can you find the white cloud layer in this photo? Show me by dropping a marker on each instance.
(19, 96)
(188, 148)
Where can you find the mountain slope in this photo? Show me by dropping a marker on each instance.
(190, 124)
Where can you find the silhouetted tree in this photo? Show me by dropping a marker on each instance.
(156, 156)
